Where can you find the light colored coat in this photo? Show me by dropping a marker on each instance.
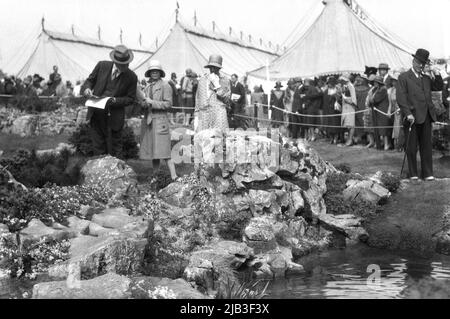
(155, 132)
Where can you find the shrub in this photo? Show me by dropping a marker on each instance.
(344, 167)
(34, 171)
(83, 143)
(390, 181)
(160, 179)
(337, 205)
(20, 261)
(247, 290)
(50, 204)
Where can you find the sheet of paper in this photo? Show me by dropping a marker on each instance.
(235, 96)
(97, 103)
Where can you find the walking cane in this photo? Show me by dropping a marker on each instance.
(406, 147)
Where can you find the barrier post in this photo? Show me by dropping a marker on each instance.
(255, 114)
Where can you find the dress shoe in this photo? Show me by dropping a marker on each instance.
(430, 179)
(414, 178)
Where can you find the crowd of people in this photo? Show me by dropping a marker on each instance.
(35, 85)
(349, 109)
(370, 108)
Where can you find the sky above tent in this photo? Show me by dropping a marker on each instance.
(420, 23)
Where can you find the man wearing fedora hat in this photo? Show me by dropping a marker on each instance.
(110, 79)
(383, 71)
(213, 97)
(414, 99)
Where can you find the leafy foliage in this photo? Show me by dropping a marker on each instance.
(51, 204)
(335, 202)
(34, 171)
(247, 290)
(82, 141)
(29, 261)
(390, 181)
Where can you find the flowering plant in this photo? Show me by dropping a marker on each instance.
(29, 261)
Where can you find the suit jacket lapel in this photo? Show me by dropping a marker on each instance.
(415, 79)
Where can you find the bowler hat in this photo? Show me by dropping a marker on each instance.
(155, 65)
(384, 66)
(121, 55)
(215, 60)
(422, 55)
(278, 85)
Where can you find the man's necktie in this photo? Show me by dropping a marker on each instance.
(115, 74)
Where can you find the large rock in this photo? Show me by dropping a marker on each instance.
(37, 230)
(260, 235)
(349, 225)
(113, 218)
(81, 116)
(158, 288)
(25, 125)
(442, 240)
(98, 255)
(111, 173)
(216, 262)
(3, 229)
(108, 286)
(366, 190)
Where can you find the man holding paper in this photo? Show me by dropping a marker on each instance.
(109, 89)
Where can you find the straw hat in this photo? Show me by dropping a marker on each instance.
(121, 55)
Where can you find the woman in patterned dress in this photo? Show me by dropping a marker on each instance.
(213, 98)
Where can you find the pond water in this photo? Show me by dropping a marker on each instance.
(354, 272)
(359, 272)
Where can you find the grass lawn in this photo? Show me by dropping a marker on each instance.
(412, 217)
(369, 161)
(10, 143)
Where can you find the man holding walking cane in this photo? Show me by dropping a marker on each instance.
(414, 98)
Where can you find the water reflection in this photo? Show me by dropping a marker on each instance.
(359, 272)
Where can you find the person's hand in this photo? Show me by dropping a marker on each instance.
(88, 93)
(411, 118)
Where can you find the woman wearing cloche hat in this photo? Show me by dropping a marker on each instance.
(155, 130)
(213, 97)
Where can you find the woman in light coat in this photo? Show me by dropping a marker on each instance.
(155, 131)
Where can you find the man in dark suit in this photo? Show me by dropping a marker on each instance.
(414, 98)
(237, 104)
(383, 71)
(110, 79)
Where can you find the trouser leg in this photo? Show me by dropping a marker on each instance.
(411, 151)
(98, 134)
(425, 148)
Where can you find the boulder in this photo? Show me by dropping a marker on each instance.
(37, 230)
(98, 255)
(111, 173)
(97, 230)
(348, 224)
(25, 125)
(79, 226)
(178, 194)
(260, 235)
(314, 201)
(81, 116)
(442, 240)
(109, 286)
(215, 262)
(366, 190)
(113, 218)
(146, 287)
(3, 229)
